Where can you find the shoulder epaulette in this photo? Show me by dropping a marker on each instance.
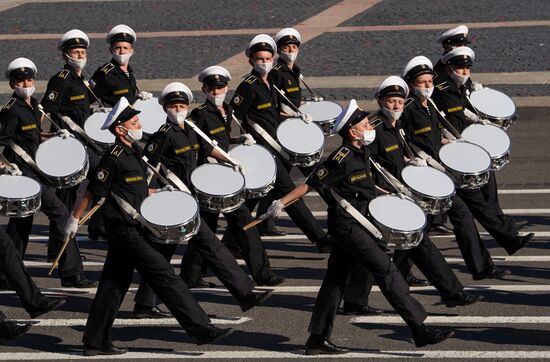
(165, 127)
(9, 104)
(107, 68)
(408, 101)
(341, 154)
(202, 106)
(277, 66)
(250, 79)
(117, 151)
(442, 86)
(63, 74)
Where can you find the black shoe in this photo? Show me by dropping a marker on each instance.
(358, 309)
(463, 299)
(440, 230)
(522, 241)
(111, 350)
(10, 330)
(141, 312)
(201, 283)
(78, 281)
(316, 345)
(254, 299)
(271, 232)
(272, 281)
(428, 335)
(214, 334)
(325, 244)
(493, 273)
(413, 281)
(47, 305)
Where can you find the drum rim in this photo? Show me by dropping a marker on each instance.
(320, 149)
(270, 183)
(70, 176)
(398, 230)
(463, 172)
(195, 215)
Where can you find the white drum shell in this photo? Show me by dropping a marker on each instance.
(20, 196)
(467, 162)
(493, 139)
(260, 169)
(434, 190)
(324, 113)
(303, 142)
(495, 106)
(218, 187)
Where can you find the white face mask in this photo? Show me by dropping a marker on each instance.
(263, 68)
(392, 115)
(423, 93)
(24, 92)
(76, 63)
(123, 59)
(289, 57)
(133, 135)
(368, 137)
(459, 79)
(177, 117)
(217, 99)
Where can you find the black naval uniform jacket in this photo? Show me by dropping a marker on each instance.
(347, 171)
(67, 95)
(122, 171)
(451, 99)
(110, 83)
(422, 126)
(176, 148)
(287, 80)
(256, 101)
(20, 123)
(210, 120)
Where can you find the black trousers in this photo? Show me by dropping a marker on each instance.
(19, 230)
(15, 272)
(128, 250)
(218, 258)
(490, 194)
(355, 245)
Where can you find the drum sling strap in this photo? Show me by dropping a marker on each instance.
(267, 137)
(24, 155)
(391, 179)
(360, 218)
(134, 214)
(77, 129)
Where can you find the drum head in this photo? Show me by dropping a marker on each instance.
(492, 138)
(217, 180)
(169, 208)
(493, 103)
(152, 116)
(321, 111)
(92, 126)
(258, 163)
(465, 157)
(299, 137)
(18, 187)
(58, 157)
(428, 181)
(397, 214)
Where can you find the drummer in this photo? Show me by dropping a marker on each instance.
(347, 172)
(21, 123)
(449, 40)
(121, 171)
(256, 102)
(116, 78)
(422, 126)
(214, 118)
(175, 146)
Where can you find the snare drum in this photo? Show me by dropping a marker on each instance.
(64, 162)
(92, 127)
(19, 196)
(175, 214)
(303, 142)
(324, 113)
(495, 106)
(152, 115)
(218, 187)
(434, 190)
(401, 221)
(493, 139)
(467, 162)
(259, 169)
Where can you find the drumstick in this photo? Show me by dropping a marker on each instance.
(313, 93)
(296, 109)
(41, 109)
(92, 92)
(448, 124)
(211, 142)
(263, 217)
(68, 238)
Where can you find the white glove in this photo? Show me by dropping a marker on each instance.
(289, 111)
(63, 133)
(477, 86)
(402, 196)
(418, 162)
(318, 99)
(484, 121)
(306, 118)
(238, 168)
(248, 139)
(14, 170)
(102, 110)
(145, 95)
(71, 228)
(167, 188)
(275, 209)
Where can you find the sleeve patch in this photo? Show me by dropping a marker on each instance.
(237, 99)
(52, 95)
(152, 147)
(101, 174)
(322, 172)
